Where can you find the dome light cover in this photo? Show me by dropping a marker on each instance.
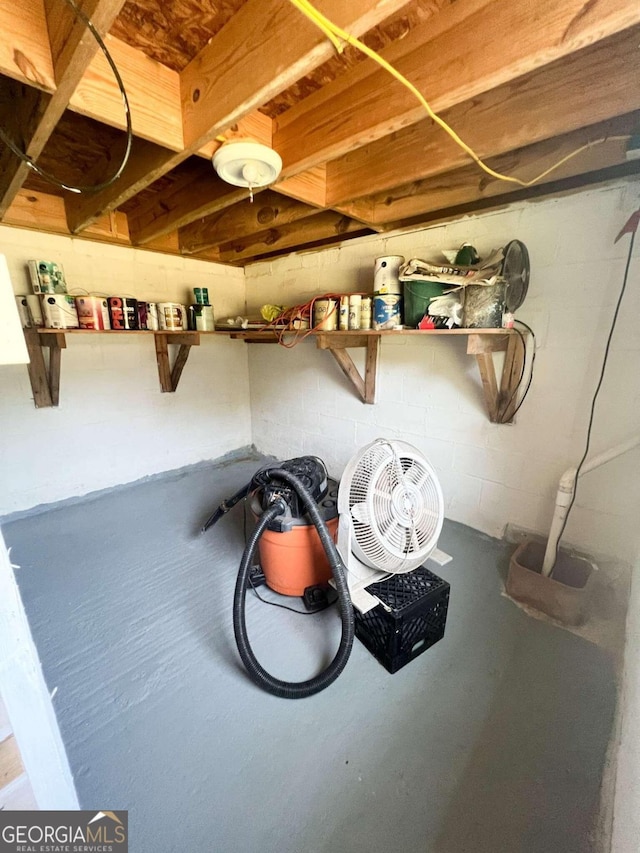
(247, 164)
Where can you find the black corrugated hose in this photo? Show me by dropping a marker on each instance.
(257, 673)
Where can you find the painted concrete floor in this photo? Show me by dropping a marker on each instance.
(493, 741)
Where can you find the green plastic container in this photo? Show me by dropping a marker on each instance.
(417, 296)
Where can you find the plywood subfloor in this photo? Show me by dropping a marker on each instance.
(493, 740)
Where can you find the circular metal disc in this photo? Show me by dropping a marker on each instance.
(515, 271)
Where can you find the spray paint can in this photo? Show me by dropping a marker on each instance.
(355, 307)
(93, 312)
(123, 312)
(365, 313)
(343, 316)
(60, 311)
(23, 312)
(386, 274)
(152, 316)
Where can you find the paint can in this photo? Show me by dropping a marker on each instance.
(47, 277)
(143, 312)
(343, 315)
(365, 313)
(201, 295)
(35, 309)
(386, 311)
(123, 312)
(171, 316)
(200, 318)
(386, 274)
(60, 311)
(325, 315)
(93, 312)
(355, 306)
(152, 316)
(23, 312)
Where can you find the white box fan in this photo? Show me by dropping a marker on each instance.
(391, 512)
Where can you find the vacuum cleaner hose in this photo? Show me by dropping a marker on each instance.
(297, 689)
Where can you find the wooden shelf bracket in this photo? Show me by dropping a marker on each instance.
(45, 381)
(337, 346)
(501, 401)
(170, 375)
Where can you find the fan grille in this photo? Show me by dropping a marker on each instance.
(396, 506)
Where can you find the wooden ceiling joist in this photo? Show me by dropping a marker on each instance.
(487, 49)
(269, 210)
(321, 226)
(548, 102)
(468, 184)
(198, 192)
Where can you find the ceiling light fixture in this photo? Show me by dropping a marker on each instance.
(247, 164)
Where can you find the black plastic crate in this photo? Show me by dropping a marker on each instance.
(411, 619)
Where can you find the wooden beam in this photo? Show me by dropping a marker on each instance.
(36, 113)
(470, 184)
(44, 212)
(198, 193)
(26, 55)
(630, 169)
(318, 227)
(365, 386)
(269, 210)
(256, 56)
(543, 104)
(489, 384)
(45, 383)
(492, 47)
(309, 187)
(511, 373)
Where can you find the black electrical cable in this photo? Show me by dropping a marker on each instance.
(47, 176)
(286, 606)
(257, 673)
(533, 360)
(625, 279)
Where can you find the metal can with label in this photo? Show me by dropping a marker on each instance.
(23, 312)
(123, 312)
(355, 306)
(365, 313)
(93, 312)
(60, 311)
(343, 316)
(386, 311)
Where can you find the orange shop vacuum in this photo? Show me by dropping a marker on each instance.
(292, 559)
(295, 506)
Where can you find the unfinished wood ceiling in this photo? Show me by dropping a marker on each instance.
(523, 84)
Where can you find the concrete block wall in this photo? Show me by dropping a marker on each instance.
(113, 424)
(429, 390)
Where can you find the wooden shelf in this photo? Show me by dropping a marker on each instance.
(45, 379)
(500, 398)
